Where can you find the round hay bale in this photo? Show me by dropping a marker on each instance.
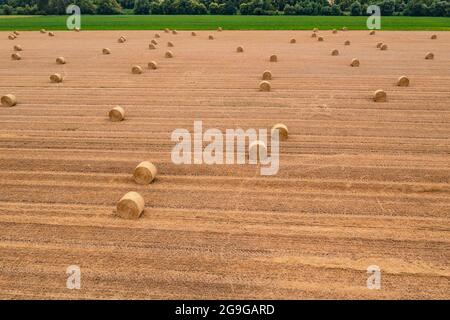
(11, 37)
(344, 28)
(77, 29)
(168, 54)
(320, 39)
(116, 114)
(151, 46)
(273, 58)
(433, 37)
(56, 78)
(314, 35)
(152, 65)
(169, 44)
(193, 34)
(16, 56)
(17, 48)
(257, 147)
(372, 32)
(51, 34)
(8, 100)
(335, 52)
(354, 63)
(174, 32)
(210, 37)
(16, 33)
(384, 47)
(157, 35)
(347, 43)
(281, 130)
(145, 173)
(403, 81)
(130, 206)
(122, 39)
(43, 31)
(136, 69)
(380, 96)
(334, 31)
(240, 49)
(264, 86)
(293, 40)
(154, 42)
(379, 44)
(429, 56)
(60, 60)
(315, 30)
(219, 29)
(166, 30)
(267, 75)
(106, 51)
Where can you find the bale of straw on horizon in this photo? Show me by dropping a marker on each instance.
(316, 30)
(16, 56)
(152, 65)
(60, 60)
(174, 32)
(282, 131)
(106, 51)
(157, 35)
(16, 33)
(335, 52)
(211, 37)
(17, 48)
(335, 31)
(267, 75)
(43, 31)
(433, 37)
(429, 56)
(314, 35)
(380, 96)
(51, 34)
(116, 114)
(372, 32)
(320, 39)
(11, 37)
(166, 30)
(145, 173)
(219, 29)
(403, 81)
(264, 86)
(168, 54)
(136, 69)
(8, 100)
(344, 28)
(193, 33)
(121, 39)
(273, 58)
(130, 206)
(56, 78)
(354, 63)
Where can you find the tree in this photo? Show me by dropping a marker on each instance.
(355, 9)
(108, 7)
(335, 10)
(213, 8)
(289, 10)
(387, 7)
(141, 7)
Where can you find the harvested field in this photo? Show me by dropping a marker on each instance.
(360, 183)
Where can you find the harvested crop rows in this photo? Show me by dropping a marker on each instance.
(361, 182)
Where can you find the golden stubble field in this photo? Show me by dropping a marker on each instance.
(360, 183)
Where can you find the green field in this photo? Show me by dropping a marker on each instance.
(180, 22)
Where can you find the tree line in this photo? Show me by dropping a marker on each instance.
(437, 8)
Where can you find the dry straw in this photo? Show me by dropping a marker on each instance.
(106, 51)
(60, 60)
(293, 40)
(267, 75)
(157, 35)
(240, 49)
(8, 100)
(282, 131)
(116, 114)
(43, 31)
(273, 58)
(11, 37)
(384, 47)
(193, 34)
(174, 32)
(334, 31)
(372, 32)
(320, 39)
(316, 30)
(347, 43)
(152, 65)
(168, 54)
(210, 37)
(335, 52)
(151, 46)
(77, 29)
(433, 37)
(379, 96)
(136, 70)
(314, 35)
(16, 56)
(154, 42)
(166, 30)
(17, 48)
(403, 81)
(130, 206)
(51, 34)
(16, 33)
(56, 78)
(169, 44)
(379, 44)
(122, 39)
(264, 86)
(429, 56)
(145, 173)
(219, 29)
